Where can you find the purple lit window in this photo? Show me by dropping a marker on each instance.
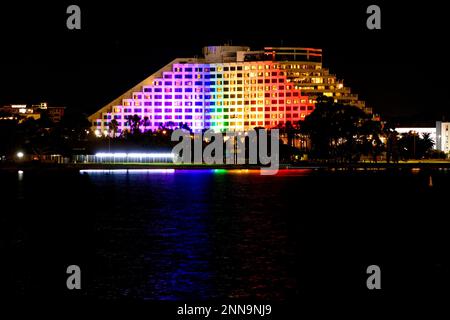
(168, 96)
(188, 76)
(147, 103)
(158, 103)
(178, 96)
(188, 90)
(158, 117)
(158, 96)
(168, 104)
(167, 110)
(158, 89)
(188, 110)
(178, 89)
(198, 83)
(158, 110)
(168, 117)
(188, 117)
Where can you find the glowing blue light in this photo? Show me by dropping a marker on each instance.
(121, 171)
(134, 155)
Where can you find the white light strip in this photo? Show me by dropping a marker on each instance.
(128, 171)
(134, 155)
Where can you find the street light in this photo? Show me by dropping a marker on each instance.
(20, 154)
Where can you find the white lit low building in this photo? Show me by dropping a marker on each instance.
(442, 136)
(439, 134)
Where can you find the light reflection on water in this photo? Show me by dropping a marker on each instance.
(193, 235)
(205, 234)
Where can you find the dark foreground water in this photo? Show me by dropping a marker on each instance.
(215, 234)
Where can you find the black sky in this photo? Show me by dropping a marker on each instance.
(400, 70)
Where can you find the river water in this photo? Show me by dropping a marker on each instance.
(224, 234)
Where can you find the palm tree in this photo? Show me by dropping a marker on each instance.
(113, 126)
(134, 122)
(145, 123)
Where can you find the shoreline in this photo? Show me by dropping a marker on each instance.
(305, 165)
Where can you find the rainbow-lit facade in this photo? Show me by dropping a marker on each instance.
(223, 91)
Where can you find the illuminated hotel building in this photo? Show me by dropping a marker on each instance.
(230, 89)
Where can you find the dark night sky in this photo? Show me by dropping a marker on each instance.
(400, 70)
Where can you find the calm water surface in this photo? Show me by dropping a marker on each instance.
(218, 234)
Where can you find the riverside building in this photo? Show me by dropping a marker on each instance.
(230, 88)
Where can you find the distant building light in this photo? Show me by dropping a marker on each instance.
(20, 155)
